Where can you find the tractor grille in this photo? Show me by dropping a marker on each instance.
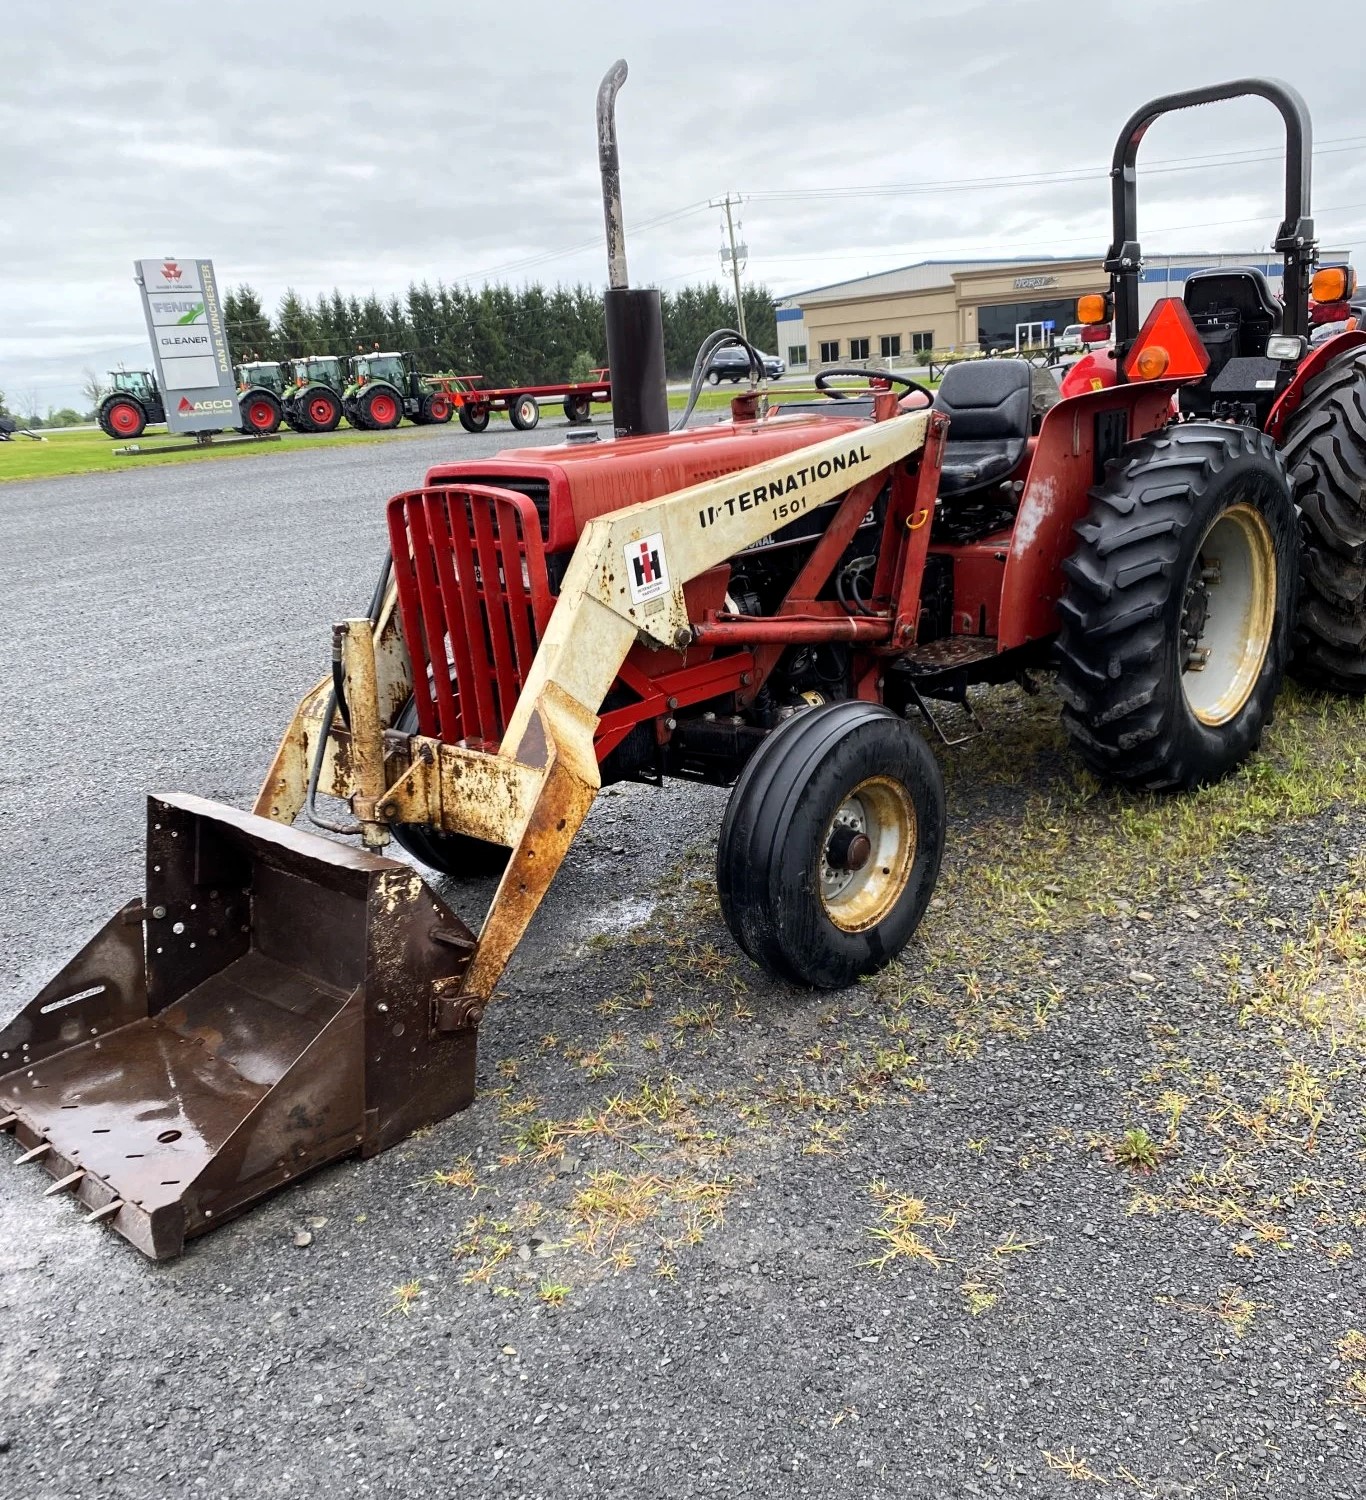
(469, 565)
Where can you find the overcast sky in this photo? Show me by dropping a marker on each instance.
(366, 146)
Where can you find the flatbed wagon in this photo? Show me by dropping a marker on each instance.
(475, 402)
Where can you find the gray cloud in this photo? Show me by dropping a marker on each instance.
(435, 140)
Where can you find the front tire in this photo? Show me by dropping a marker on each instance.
(1325, 451)
(830, 846)
(474, 418)
(1178, 608)
(577, 408)
(123, 418)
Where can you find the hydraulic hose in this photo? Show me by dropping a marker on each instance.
(336, 701)
(721, 338)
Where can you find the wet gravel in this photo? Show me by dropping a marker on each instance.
(164, 623)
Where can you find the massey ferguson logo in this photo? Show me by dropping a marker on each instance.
(647, 572)
(170, 271)
(188, 408)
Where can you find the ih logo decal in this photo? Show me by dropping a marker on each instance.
(647, 571)
(171, 271)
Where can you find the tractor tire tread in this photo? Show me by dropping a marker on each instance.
(1114, 649)
(1325, 449)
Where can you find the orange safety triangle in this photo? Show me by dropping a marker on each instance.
(1169, 325)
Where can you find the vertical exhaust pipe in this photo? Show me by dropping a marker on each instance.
(635, 321)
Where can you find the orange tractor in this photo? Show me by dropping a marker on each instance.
(772, 603)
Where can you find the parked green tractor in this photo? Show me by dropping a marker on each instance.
(385, 388)
(260, 396)
(133, 402)
(313, 391)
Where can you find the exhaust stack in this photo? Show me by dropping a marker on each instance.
(635, 322)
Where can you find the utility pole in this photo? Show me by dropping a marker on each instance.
(735, 254)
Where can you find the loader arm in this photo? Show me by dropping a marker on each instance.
(623, 585)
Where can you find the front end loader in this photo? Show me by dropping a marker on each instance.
(768, 603)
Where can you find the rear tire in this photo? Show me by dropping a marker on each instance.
(577, 408)
(474, 418)
(1178, 608)
(524, 412)
(799, 893)
(261, 414)
(123, 418)
(714, 377)
(453, 854)
(1325, 451)
(319, 411)
(379, 410)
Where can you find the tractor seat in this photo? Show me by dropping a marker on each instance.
(1233, 289)
(988, 404)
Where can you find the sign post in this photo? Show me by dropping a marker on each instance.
(190, 344)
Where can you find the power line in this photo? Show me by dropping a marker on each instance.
(1162, 167)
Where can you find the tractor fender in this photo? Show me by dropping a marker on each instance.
(1069, 456)
(1092, 372)
(1314, 364)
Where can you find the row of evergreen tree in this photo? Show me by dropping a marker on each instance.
(510, 335)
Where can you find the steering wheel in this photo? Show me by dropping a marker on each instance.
(878, 379)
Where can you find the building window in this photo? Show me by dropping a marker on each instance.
(858, 348)
(796, 354)
(922, 343)
(890, 344)
(830, 351)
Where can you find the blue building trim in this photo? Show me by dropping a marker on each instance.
(789, 314)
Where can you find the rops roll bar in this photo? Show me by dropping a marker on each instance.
(1294, 240)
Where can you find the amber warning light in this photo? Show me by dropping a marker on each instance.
(1167, 344)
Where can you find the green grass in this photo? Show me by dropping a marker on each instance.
(72, 451)
(76, 451)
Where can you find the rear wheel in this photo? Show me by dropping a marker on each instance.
(454, 854)
(714, 377)
(474, 418)
(123, 418)
(1177, 614)
(830, 846)
(380, 409)
(321, 411)
(577, 408)
(261, 413)
(1325, 451)
(524, 412)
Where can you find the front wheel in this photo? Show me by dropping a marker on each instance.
(830, 846)
(123, 418)
(577, 408)
(474, 418)
(1178, 608)
(714, 377)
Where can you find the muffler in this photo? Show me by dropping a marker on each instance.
(277, 1001)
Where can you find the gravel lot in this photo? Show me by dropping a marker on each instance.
(1071, 1199)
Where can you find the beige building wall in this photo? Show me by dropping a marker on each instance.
(948, 314)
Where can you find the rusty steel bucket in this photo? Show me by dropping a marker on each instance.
(276, 1002)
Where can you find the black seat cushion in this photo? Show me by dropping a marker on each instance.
(987, 402)
(1228, 289)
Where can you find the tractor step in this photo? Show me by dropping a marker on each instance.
(948, 654)
(274, 1004)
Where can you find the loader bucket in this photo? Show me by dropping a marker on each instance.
(278, 1001)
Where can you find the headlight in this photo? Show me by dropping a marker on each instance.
(1285, 346)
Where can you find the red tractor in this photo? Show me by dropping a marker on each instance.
(765, 603)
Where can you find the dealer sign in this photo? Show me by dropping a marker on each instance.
(194, 363)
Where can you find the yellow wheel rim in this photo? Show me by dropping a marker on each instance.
(867, 854)
(1230, 615)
